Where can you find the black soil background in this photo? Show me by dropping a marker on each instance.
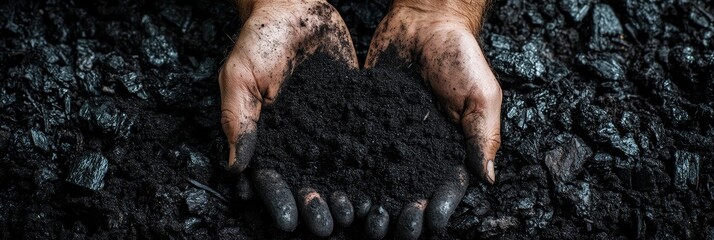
(109, 121)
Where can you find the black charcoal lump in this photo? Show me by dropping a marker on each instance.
(686, 169)
(576, 9)
(605, 25)
(89, 171)
(159, 50)
(105, 117)
(565, 162)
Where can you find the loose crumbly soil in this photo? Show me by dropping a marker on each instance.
(373, 133)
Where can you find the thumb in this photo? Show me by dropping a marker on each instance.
(481, 123)
(240, 110)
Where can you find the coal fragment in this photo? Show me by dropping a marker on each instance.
(645, 16)
(627, 145)
(605, 25)
(190, 224)
(492, 226)
(40, 139)
(132, 83)
(577, 195)
(566, 162)
(106, 118)
(576, 9)
(85, 54)
(192, 157)
(686, 169)
(88, 171)
(605, 66)
(526, 62)
(159, 50)
(197, 201)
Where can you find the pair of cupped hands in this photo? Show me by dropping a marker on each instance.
(439, 36)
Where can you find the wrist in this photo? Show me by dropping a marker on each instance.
(465, 12)
(246, 7)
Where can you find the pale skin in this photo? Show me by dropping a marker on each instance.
(439, 36)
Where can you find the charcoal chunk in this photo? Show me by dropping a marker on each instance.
(605, 25)
(197, 201)
(85, 54)
(627, 145)
(686, 169)
(492, 226)
(133, 84)
(40, 139)
(528, 61)
(158, 50)
(104, 117)
(576, 9)
(605, 66)
(645, 16)
(88, 171)
(190, 224)
(566, 162)
(578, 196)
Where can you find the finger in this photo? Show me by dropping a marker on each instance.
(244, 188)
(482, 128)
(391, 31)
(362, 206)
(340, 43)
(460, 76)
(446, 199)
(342, 210)
(377, 222)
(240, 109)
(409, 224)
(277, 198)
(315, 212)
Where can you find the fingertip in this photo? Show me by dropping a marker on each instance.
(244, 148)
(315, 212)
(277, 197)
(342, 210)
(377, 222)
(445, 200)
(490, 172)
(410, 222)
(477, 163)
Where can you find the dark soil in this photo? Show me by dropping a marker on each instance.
(374, 133)
(109, 121)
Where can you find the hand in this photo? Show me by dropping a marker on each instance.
(440, 37)
(275, 37)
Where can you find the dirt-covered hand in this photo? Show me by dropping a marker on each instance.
(275, 37)
(440, 37)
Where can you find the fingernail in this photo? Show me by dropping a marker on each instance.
(490, 172)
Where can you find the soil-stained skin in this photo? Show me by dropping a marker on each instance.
(274, 39)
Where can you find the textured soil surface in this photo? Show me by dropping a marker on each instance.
(109, 121)
(372, 133)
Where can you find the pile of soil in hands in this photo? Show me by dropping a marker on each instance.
(373, 132)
